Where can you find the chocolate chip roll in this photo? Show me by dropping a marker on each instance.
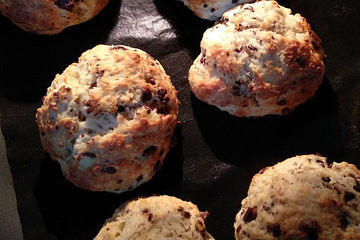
(109, 118)
(50, 16)
(157, 217)
(259, 59)
(302, 197)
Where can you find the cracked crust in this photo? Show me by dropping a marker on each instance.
(108, 119)
(156, 217)
(50, 16)
(258, 60)
(302, 198)
(212, 9)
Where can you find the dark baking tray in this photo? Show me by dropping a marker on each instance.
(216, 154)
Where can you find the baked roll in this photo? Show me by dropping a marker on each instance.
(109, 118)
(302, 198)
(259, 59)
(50, 16)
(157, 217)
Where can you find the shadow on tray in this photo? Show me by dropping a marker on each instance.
(311, 128)
(188, 27)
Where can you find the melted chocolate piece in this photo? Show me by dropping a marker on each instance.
(326, 179)
(110, 170)
(146, 95)
(275, 230)
(149, 151)
(68, 5)
(312, 229)
(250, 214)
(348, 196)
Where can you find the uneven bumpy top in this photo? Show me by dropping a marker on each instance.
(156, 218)
(109, 118)
(212, 9)
(258, 60)
(302, 198)
(50, 16)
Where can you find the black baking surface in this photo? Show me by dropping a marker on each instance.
(216, 154)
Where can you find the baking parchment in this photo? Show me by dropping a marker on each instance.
(10, 226)
(216, 154)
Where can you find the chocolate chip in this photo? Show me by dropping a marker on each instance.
(281, 101)
(238, 229)
(263, 170)
(150, 217)
(203, 59)
(68, 5)
(146, 96)
(149, 151)
(250, 214)
(145, 210)
(163, 110)
(274, 229)
(212, 10)
(120, 109)
(162, 93)
(321, 163)
(139, 178)
(117, 48)
(348, 196)
(238, 50)
(81, 117)
(89, 154)
(223, 20)
(343, 218)
(93, 85)
(187, 214)
(150, 80)
(180, 208)
(119, 181)
(110, 170)
(312, 229)
(100, 73)
(301, 62)
(236, 91)
(326, 179)
(234, 1)
(205, 5)
(357, 186)
(238, 82)
(251, 47)
(250, 8)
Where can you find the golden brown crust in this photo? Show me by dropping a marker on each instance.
(257, 61)
(50, 16)
(108, 119)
